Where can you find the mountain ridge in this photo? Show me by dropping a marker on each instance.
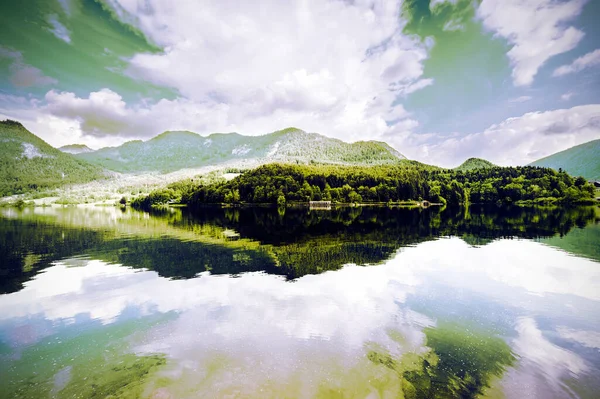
(580, 160)
(175, 150)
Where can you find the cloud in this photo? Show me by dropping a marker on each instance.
(537, 30)
(102, 113)
(586, 61)
(66, 6)
(453, 25)
(515, 141)
(105, 116)
(23, 75)
(521, 99)
(58, 29)
(435, 3)
(335, 66)
(567, 96)
(418, 85)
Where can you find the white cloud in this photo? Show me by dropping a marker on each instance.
(106, 116)
(567, 96)
(58, 29)
(23, 75)
(520, 99)
(515, 141)
(418, 85)
(537, 29)
(453, 25)
(435, 3)
(586, 61)
(331, 66)
(66, 6)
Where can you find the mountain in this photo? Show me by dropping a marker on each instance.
(581, 160)
(475, 163)
(29, 163)
(171, 151)
(75, 148)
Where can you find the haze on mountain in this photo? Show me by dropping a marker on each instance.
(75, 148)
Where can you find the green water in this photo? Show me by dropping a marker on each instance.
(349, 303)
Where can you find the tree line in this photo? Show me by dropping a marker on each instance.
(409, 181)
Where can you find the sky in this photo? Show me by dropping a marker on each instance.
(441, 81)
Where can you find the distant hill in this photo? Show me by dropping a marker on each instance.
(171, 151)
(475, 163)
(75, 148)
(581, 160)
(28, 163)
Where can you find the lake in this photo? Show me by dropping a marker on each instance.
(494, 302)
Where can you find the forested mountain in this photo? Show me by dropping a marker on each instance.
(581, 160)
(75, 148)
(475, 163)
(171, 151)
(29, 163)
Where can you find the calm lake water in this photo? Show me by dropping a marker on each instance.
(351, 303)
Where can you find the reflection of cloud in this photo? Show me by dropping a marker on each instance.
(555, 361)
(514, 263)
(543, 366)
(590, 339)
(266, 331)
(353, 302)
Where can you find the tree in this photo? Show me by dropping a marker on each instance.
(281, 201)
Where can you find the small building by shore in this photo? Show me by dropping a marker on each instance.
(319, 204)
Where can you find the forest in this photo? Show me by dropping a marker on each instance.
(281, 184)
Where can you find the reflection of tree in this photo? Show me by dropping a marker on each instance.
(294, 243)
(27, 246)
(307, 242)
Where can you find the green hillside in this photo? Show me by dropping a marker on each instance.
(475, 163)
(28, 163)
(171, 151)
(581, 160)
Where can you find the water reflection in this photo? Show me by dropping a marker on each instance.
(467, 314)
(183, 244)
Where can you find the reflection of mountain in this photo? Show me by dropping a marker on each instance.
(232, 241)
(581, 242)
